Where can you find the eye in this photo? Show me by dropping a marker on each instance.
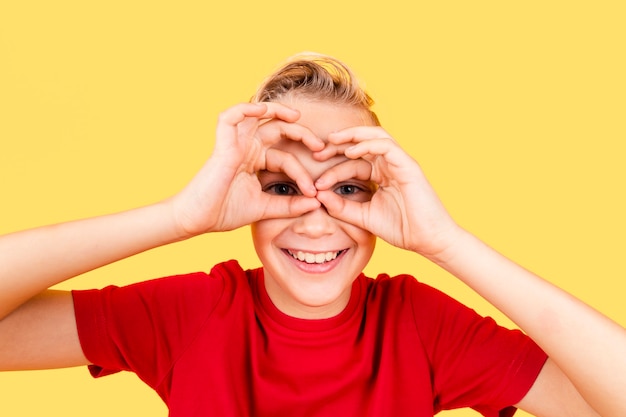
(355, 192)
(347, 189)
(281, 188)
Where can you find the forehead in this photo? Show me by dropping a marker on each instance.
(321, 118)
(324, 117)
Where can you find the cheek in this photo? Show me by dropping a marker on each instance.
(265, 231)
(371, 244)
(259, 231)
(365, 240)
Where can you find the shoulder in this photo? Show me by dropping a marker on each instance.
(191, 292)
(404, 296)
(219, 276)
(405, 287)
(430, 309)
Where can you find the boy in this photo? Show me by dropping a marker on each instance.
(308, 166)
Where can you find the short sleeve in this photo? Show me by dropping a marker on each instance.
(474, 362)
(143, 327)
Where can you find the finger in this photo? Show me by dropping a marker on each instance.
(393, 155)
(358, 134)
(331, 150)
(339, 141)
(374, 147)
(279, 161)
(287, 207)
(272, 132)
(238, 112)
(358, 169)
(280, 111)
(230, 118)
(343, 209)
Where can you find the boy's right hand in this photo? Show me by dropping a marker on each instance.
(226, 194)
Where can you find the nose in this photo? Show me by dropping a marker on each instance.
(315, 224)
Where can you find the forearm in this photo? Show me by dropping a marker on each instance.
(33, 260)
(586, 345)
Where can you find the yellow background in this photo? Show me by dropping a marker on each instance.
(516, 111)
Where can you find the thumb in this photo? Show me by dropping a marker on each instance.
(288, 207)
(342, 209)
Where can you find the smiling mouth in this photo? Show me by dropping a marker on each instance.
(314, 258)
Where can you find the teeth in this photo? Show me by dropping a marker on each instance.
(314, 258)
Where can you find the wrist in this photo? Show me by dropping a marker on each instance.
(448, 245)
(178, 223)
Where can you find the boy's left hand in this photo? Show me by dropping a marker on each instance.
(405, 210)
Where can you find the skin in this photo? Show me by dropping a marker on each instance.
(314, 149)
(305, 289)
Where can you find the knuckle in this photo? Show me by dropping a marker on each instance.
(224, 116)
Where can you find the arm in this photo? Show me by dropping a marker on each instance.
(586, 347)
(36, 259)
(37, 327)
(553, 394)
(215, 200)
(41, 334)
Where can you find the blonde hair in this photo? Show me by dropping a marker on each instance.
(317, 77)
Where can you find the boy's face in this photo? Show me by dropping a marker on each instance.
(311, 261)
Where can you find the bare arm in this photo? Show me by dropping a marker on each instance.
(37, 326)
(33, 260)
(588, 349)
(554, 395)
(38, 329)
(41, 334)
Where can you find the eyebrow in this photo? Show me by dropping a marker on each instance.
(265, 173)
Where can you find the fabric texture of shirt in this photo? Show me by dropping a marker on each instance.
(215, 345)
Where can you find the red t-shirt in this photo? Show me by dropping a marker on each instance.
(215, 345)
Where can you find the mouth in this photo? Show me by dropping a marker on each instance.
(314, 258)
